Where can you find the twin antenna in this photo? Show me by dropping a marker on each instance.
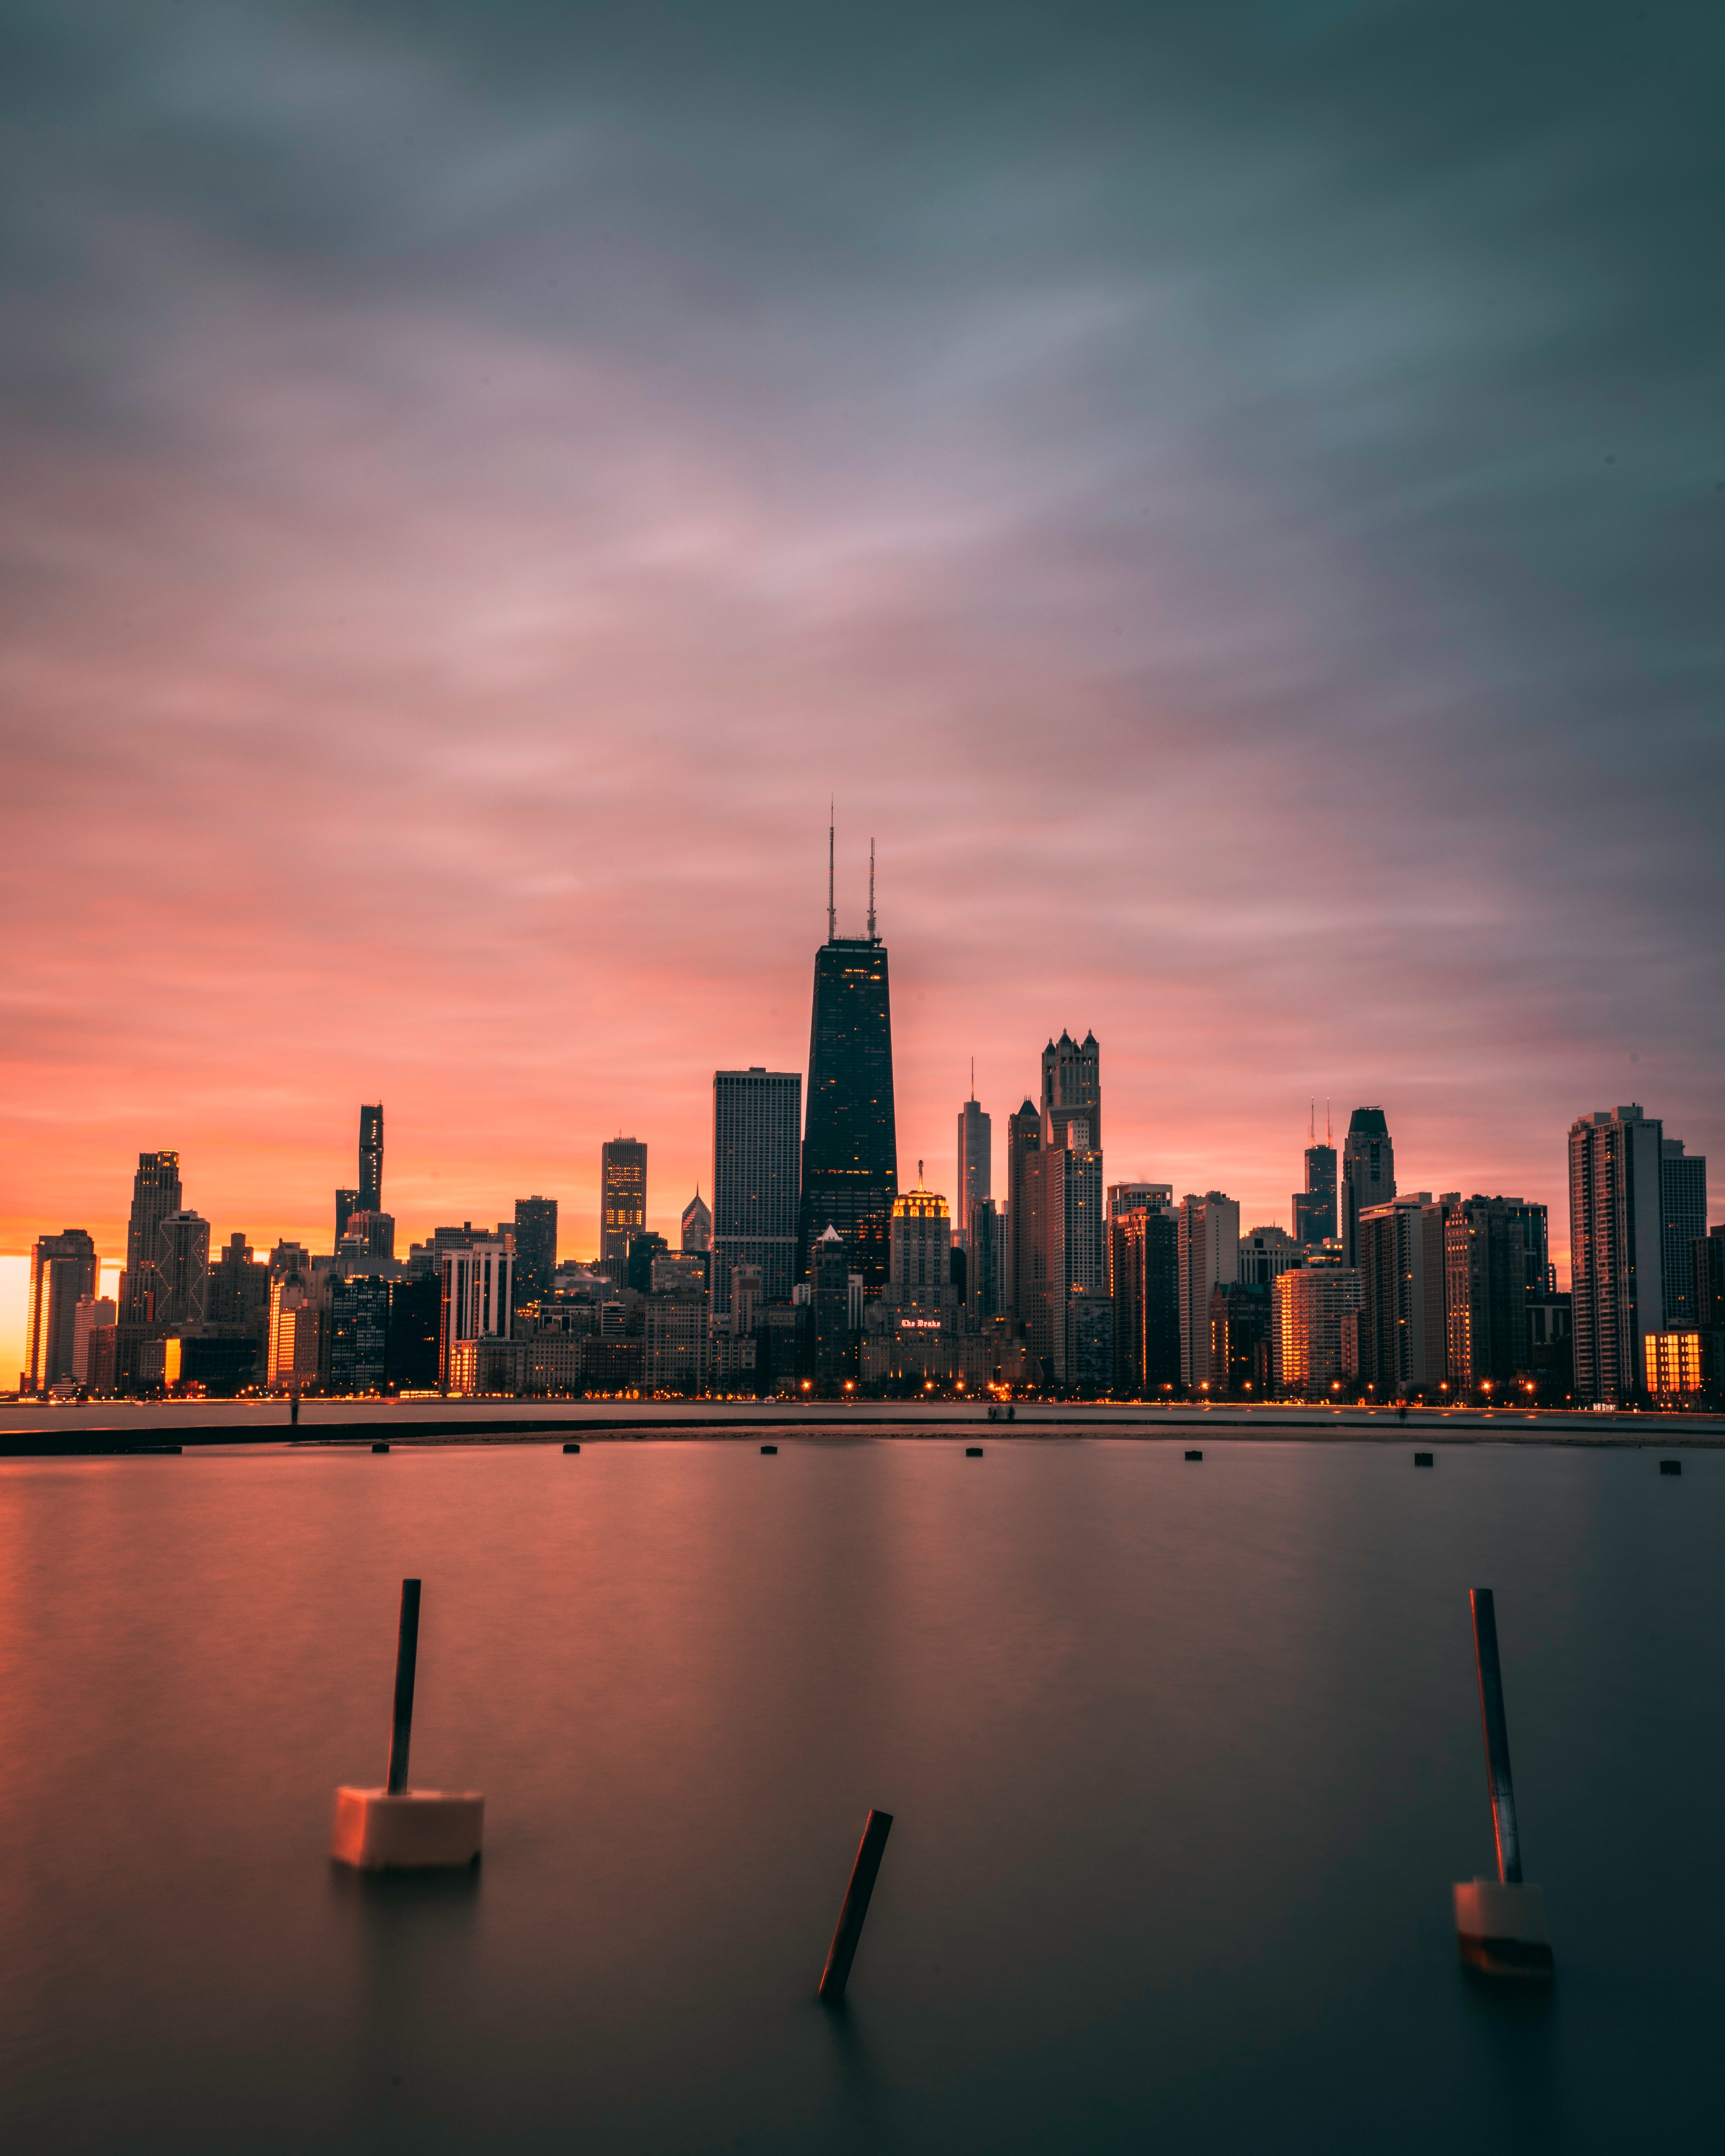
(832, 910)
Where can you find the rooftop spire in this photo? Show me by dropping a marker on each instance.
(872, 938)
(832, 914)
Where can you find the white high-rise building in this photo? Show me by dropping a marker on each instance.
(478, 1297)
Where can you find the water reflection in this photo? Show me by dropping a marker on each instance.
(1183, 1767)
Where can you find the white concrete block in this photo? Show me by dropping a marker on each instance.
(421, 1830)
(1501, 1928)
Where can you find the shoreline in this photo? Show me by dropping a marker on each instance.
(110, 1429)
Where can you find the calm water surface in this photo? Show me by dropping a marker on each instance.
(1184, 1760)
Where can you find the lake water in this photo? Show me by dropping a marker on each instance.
(1184, 1760)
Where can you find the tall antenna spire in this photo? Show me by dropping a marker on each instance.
(1329, 1135)
(832, 915)
(872, 938)
(1312, 1125)
(973, 1077)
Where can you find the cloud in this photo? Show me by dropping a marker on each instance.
(480, 480)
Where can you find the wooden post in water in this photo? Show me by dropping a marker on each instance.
(1497, 1729)
(1500, 1924)
(293, 1405)
(396, 1828)
(864, 1873)
(406, 1658)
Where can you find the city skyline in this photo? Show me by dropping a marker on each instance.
(1261, 1171)
(1261, 604)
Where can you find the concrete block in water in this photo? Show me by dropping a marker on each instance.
(1501, 1927)
(419, 1830)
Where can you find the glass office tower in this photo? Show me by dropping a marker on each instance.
(850, 1134)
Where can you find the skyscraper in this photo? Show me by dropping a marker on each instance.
(1683, 1215)
(347, 1205)
(155, 1193)
(1403, 1334)
(478, 1302)
(1071, 1085)
(1143, 1274)
(1616, 1249)
(1311, 1303)
(623, 1201)
(697, 1225)
(371, 1159)
(1314, 1206)
(355, 1334)
(64, 1272)
(920, 1252)
(976, 1164)
(1023, 1145)
(182, 1271)
(1208, 1252)
(758, 1122)
(536, 1247)
(985, 1264)
(1367, 1173)
(1494, 1272)
(851, 1136)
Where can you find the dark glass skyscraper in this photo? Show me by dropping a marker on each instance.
(536, 1247)
(757, 1131)
(371, 1159)
(155, 1193)
(850, 1135)
(1368, 1174)
(1314, 1206)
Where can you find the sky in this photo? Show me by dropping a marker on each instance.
(1231, 499)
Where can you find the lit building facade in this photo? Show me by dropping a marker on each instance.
(623, 1201)
(1677, 1368)
(371, 1158)
(920, 1275)
(1313, 1304)
(477, 1301)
